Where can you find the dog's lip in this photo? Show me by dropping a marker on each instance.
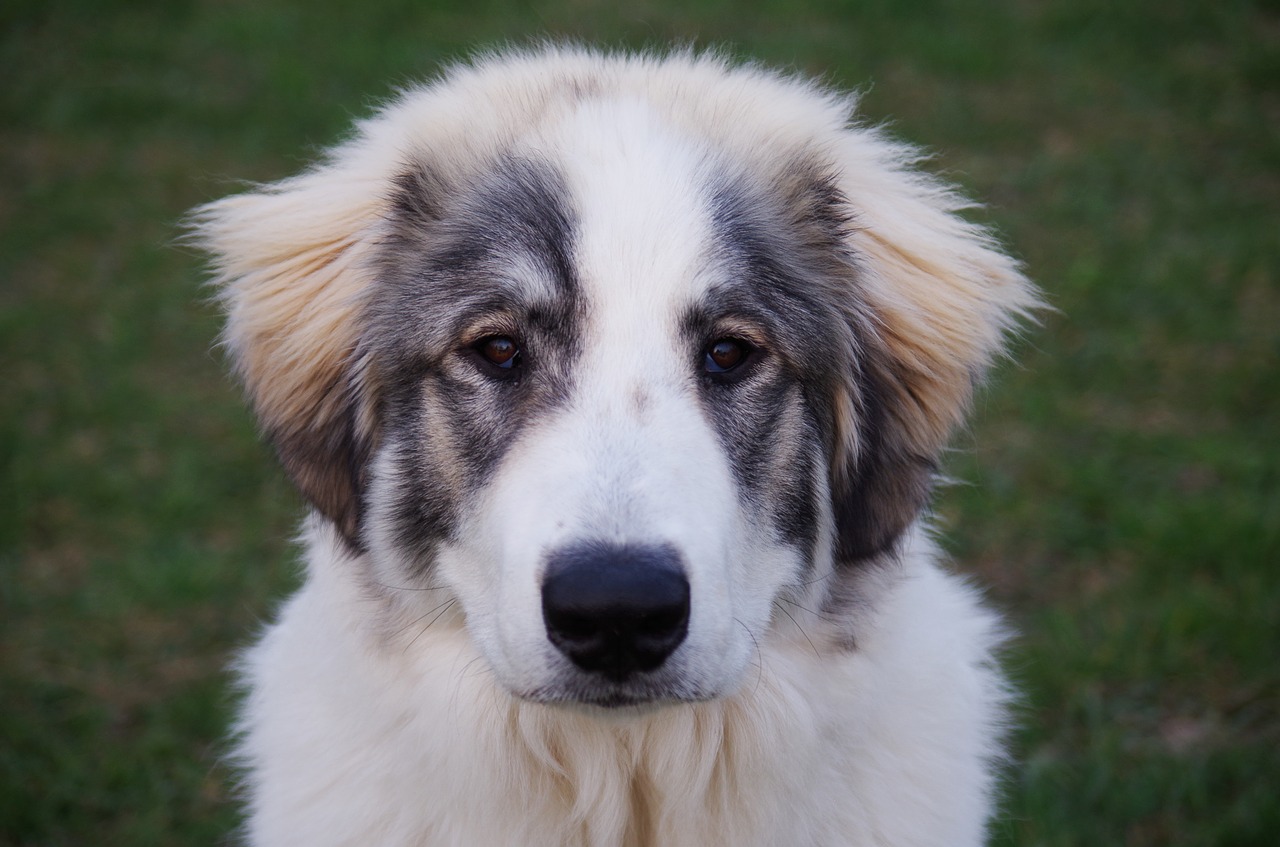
(611, 696)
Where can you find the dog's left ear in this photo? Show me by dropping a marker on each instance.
(293, 265)
(933, 298)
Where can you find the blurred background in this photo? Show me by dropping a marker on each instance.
(1118, 493)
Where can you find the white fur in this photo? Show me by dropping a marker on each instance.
(362, 741)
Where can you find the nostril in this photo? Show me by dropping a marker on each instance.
(614, 609)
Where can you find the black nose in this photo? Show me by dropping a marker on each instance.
(615, 610)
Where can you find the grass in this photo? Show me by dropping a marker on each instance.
(1122, 482)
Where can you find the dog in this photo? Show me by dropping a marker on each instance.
(616, 385)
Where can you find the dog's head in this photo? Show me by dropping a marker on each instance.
(616, 352)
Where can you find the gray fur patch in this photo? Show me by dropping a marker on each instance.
(790, 272)
(491, 258)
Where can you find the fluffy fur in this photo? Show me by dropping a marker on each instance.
(614, 218)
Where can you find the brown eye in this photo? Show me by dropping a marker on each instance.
(499, 351)
(725, 354)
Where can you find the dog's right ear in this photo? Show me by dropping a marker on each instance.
(293, 266)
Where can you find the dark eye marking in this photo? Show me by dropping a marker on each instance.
(729, 358)
(500, 355)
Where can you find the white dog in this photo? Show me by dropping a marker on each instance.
(617, 386)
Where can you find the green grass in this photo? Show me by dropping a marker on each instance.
(1121, 493)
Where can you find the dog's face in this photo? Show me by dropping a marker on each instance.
(604, 408)
(615, 386)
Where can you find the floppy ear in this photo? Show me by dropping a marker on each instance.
(293, 264)
(934, 297)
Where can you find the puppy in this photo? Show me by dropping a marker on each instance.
(616, 385)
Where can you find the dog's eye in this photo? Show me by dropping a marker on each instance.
(725, 354)
(501, 351)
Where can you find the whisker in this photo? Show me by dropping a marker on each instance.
(461, 674)
(799, 627)
(421, 617)
(410, 587)
(819, 615)
(818, 578)
(429, 623)
(759, 654)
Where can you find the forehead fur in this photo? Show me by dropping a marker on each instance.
(639, 193)
(477, 110)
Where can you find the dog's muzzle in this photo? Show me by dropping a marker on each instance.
(615, 610)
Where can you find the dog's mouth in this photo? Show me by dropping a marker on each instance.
(601, 693)
(605, 700)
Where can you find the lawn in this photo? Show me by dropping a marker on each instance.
(1118, 493)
